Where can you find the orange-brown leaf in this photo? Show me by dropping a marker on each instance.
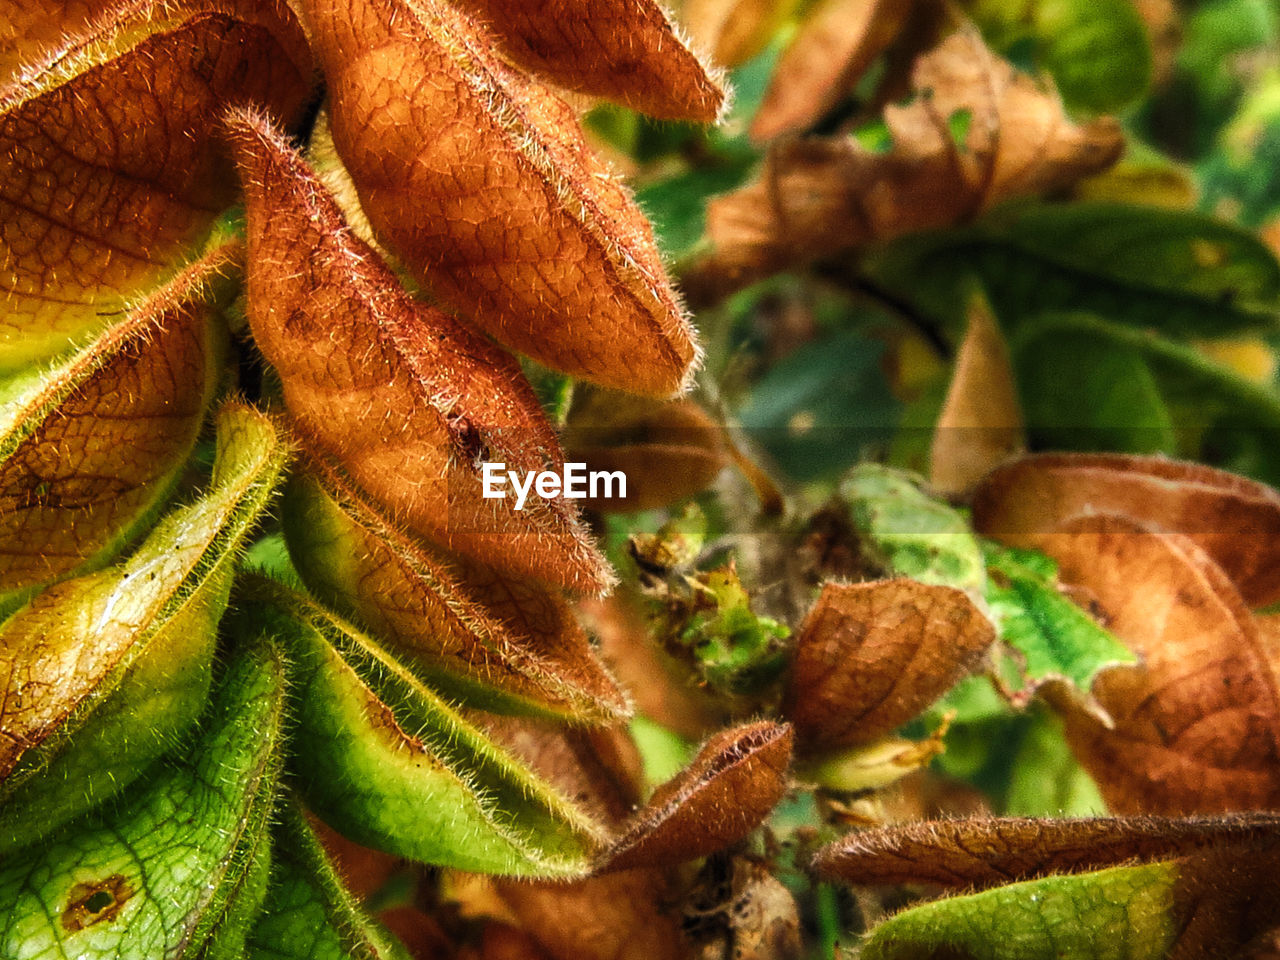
(30, 27)
(90, 445)
(992, 851)
(1237, 521)
(870, 656)
(628, 51)
(730, 787)
(829, 54)
(667, 450)
(108, 169)
(981, 420)
(407, 399)
(1197, 726)
(818, 197)
(480, 179)
(475, 633)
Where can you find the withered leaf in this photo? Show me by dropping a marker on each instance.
(981, 420)
(1235, 520)
(628, 51)
(1197, 726)
(817, 197)
(480, 179)
(90, 445)
(667, 451)
(870, 656)
(989, 851)
(729, 787)
(108, 172)
(409, 400)
(473, 633)
(838, 41)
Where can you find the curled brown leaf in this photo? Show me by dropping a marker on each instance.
(629, 51)
(503, 644)
(817, 197)
(407, 399)
(870, 656)
(732, 784)
(991, 851)
(1197, 725)
(480, 179)
(1235, 520)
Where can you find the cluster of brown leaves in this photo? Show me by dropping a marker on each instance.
(824, 196)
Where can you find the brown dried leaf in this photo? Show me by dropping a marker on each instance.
(992, 851)
(108, 172)
(1235, 520)
(1197, 727)
(870, 656)
(837, 43)
(981, 420)
(818, 197)
(667, 451)
(629, 51)
(409, 400)
(90, 446)
(473, 632)
(732, 784)
(480, 179)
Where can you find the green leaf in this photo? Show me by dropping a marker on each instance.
(1076, 397)
(824, 404)
(102, 673)
(1217, 414)
(1097, 50)
(1178, 273)
(909, 533)
(1125, 913)
(1046, 779)
(1056, 638)
(384, 760)
(178, 867)
(308, 914)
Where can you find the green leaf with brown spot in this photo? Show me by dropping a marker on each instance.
(177, 868)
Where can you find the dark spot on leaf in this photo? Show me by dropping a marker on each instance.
(97, 902)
